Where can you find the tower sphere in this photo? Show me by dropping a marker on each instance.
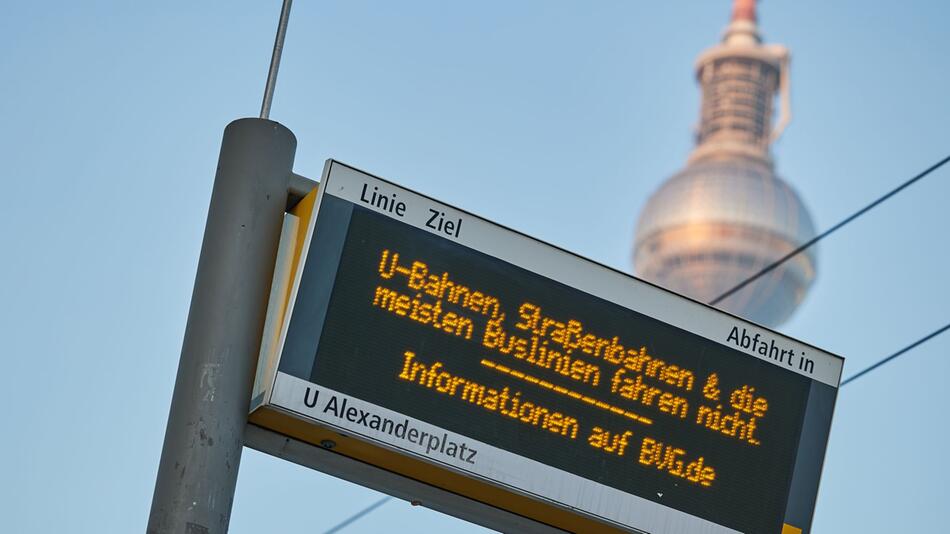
(727, 215)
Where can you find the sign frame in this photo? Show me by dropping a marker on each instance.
(447, 480)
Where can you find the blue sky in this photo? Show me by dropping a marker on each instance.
(555, 118)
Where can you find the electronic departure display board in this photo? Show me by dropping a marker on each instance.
(471, 357)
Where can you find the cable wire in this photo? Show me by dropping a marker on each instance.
(828, 232)
(886, 359)
(358, 515)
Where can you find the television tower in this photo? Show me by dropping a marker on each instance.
(727, 215)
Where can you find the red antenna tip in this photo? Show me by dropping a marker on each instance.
(743, 10)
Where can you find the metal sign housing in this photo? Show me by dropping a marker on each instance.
(437, 345)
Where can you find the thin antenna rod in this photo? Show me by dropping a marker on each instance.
(275, 59)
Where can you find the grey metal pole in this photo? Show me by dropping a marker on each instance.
(197, 474)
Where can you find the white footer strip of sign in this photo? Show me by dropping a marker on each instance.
(454, 451)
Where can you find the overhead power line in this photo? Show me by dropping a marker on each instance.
(886, 359)
(358, 515)
(828, 232)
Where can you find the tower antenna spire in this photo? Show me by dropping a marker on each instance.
(743, 10)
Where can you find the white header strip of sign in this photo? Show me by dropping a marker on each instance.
(585, 275)
(500, 467)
